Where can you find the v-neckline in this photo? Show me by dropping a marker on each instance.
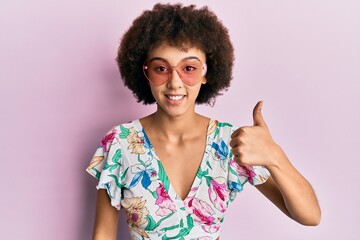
(202, 166)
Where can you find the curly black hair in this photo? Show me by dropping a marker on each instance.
(182, 27)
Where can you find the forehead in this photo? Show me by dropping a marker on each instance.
(174, 55)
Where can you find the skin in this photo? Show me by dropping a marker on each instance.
(252, 145)
(171, 120)
(286, 187)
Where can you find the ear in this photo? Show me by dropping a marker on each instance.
(204, 70)
(203, 81)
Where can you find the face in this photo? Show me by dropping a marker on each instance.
(183, 73)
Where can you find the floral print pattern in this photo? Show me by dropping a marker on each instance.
(136, 213)
(135, 142)
(202, 212)
(166, 205)
(128, 167)
(219, 194)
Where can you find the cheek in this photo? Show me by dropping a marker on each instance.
(197, 90)
(155, 91)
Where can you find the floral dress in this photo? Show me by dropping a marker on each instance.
(127, 166)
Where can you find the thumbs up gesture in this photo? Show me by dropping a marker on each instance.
(253, 145)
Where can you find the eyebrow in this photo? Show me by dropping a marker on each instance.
(165, 60)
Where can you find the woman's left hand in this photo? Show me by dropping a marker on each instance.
(253, 145)
(286, 187)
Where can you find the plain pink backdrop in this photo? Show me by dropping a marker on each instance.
(60, 92)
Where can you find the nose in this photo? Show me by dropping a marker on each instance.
(174, 80)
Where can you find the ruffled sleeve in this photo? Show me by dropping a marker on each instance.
(107, 166)
(239, 175)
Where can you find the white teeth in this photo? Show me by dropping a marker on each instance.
(175, 98)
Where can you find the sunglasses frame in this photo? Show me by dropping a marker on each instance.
(174, 68)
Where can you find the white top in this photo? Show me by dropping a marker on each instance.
(127, 165)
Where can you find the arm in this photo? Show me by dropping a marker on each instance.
(291, 193)
(106, 219)
(286, 188)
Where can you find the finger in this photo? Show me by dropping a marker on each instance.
(235, 133)
(234, 143)
(257, 115)
(239, 131)
(236, 154)
(239, 159)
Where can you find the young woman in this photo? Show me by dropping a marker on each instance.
(176, 171)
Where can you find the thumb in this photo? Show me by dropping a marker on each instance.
(257, 116)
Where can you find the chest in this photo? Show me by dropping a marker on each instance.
(181, 162)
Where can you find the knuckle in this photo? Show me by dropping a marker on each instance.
(243, 130)
(241, 151)
(234, 134)
(242, 139)
(238, 151)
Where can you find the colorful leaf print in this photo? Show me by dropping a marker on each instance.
(152, 224)
(137, 213)
(96, 160)
(166, 205)
(107, 139)
(115, 177)
(163, 177)
(208, 164)
(135, 142)
(124, 132)
(144, 177)
(219, 194)
(143, 172)
(124, 174)
(236, 186)
(241, 170)
(212, 127)
(147, 143)
(200, 211)
(183, 231)
(117, 156)
(135, 179)
(201, 173)
(115, 160)
(224, 124)
(98, 173)
(221, 152)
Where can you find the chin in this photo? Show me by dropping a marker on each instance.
(174, 111)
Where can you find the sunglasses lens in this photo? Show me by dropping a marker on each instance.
(159, 71)
(190, 71)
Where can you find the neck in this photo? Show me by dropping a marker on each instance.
(172, 128)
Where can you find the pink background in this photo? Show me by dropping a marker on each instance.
(60, 92)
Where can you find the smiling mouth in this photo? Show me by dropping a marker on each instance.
(175, 98)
